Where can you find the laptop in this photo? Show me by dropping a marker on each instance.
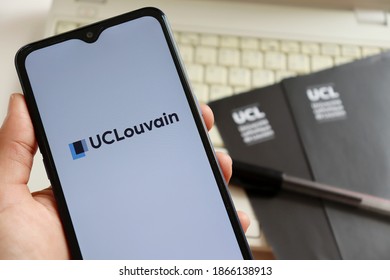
(231, 46)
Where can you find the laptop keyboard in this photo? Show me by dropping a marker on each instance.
(222, 65)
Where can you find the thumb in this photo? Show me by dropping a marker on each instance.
(17, 147)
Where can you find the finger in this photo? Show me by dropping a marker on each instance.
(17, 145)
(244, 219)
(208, 116)
(225, 162)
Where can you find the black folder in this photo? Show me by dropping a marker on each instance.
(333, 127)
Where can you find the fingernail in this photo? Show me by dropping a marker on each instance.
(11, 99)
(9, 102)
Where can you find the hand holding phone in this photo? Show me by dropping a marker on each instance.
(124, 144)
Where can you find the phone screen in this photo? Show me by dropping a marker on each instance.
(134, 172)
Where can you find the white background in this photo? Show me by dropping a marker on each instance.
(281, 270)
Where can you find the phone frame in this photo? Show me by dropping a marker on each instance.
(97, 28)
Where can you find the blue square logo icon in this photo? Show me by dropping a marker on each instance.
(78, 149)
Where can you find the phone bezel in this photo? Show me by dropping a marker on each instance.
(97, 28)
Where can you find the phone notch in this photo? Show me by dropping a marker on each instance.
(90, 34)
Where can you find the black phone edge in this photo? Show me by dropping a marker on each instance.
(48, 160)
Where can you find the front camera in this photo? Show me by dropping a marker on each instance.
(89, 35)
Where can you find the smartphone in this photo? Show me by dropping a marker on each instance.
(125, 146)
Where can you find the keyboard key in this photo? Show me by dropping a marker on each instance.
(229, 57)
(338, 60)
(269, 45)
(216, 75)
(253, 230)
(299, 63)
(281, 75)
(261, 78)
(87, 12)
(330, 49)
(218, 92)
(275, 61)
(215, 137)
(239, 77)
(310, 48)
(189, 39)
(201, 91)
(65, 26)
(249, 43)
(206, 55)
(351, 51)
(176, 35)
(320, 62)
(290, 47)
(187, 53)
(209, 40)
(241, 89)
(368, 51)
(252, 59)
(195, 72)
(229, 42)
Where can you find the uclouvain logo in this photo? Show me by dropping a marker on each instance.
(109, 137)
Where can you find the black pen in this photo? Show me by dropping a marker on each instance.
(270, 181)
